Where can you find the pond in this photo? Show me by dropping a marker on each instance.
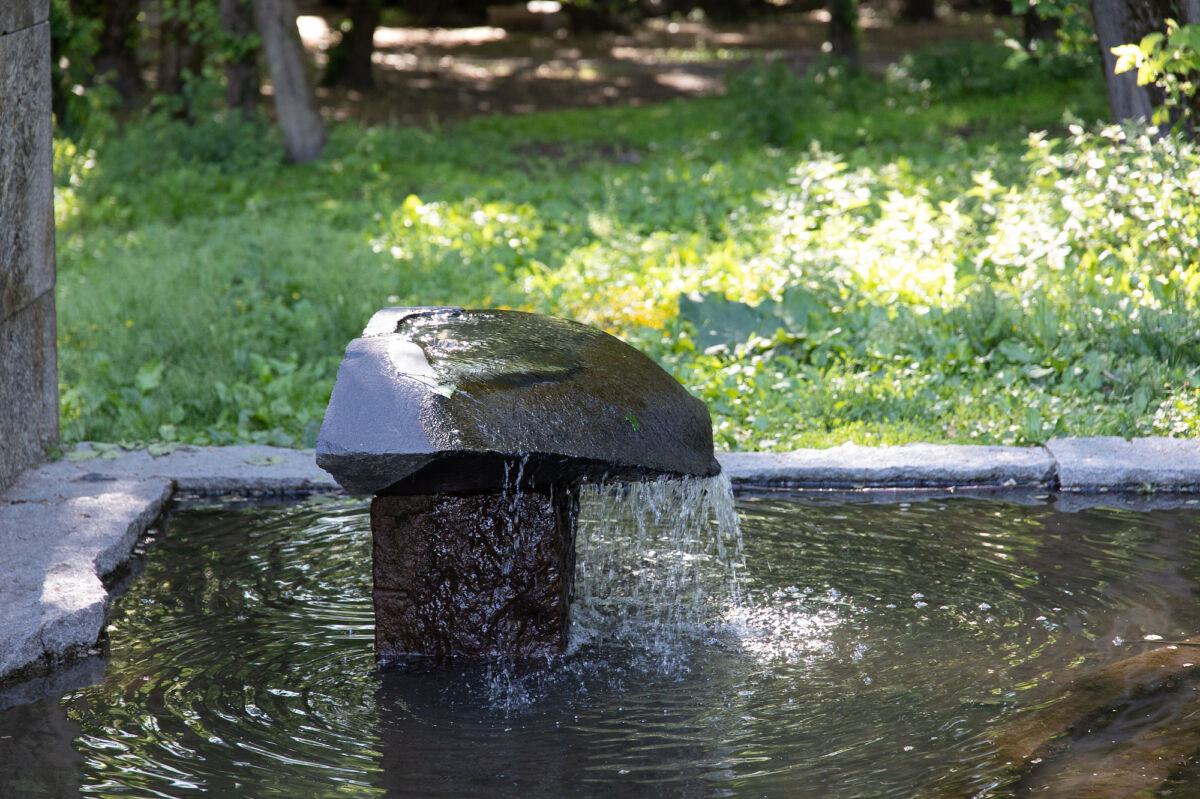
(836, 650)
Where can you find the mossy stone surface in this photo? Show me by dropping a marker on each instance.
(446, 399)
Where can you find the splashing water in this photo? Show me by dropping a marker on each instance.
(884, 647)
(659, 563)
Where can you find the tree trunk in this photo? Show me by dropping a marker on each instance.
(295, 105)
(1038, 28)
(241, 71)
(844, 37)
(176, 50)
(116, 53)
(1126, 100)
(350, 60)
(919, 11)
(1126, 22)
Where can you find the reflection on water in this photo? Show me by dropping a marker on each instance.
(863, 650)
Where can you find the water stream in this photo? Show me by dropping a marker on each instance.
(824, 650)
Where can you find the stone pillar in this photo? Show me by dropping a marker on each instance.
(28, 361)
(483, 575)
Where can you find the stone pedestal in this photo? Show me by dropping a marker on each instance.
(484, 575)
(473, 428)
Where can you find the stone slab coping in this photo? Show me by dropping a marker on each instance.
(1151, 464)
(910, 465)
(68, 524)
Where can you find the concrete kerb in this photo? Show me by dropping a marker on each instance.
(68, 524)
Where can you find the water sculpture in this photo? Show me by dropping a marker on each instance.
(474, 430)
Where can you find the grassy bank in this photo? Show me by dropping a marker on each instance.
(947, 255)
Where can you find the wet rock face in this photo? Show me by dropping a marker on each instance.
(481, 576)
(446, 399)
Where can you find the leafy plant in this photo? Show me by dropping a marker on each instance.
(904, 266)
(1171, 61)
(81, 106)
(768, 101)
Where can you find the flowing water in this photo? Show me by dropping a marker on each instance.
(823, 650)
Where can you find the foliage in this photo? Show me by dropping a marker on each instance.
(81, 110)
(1075, 32)
(904, 264)
(85, 103)
(767, 98)
(1171, 61)
(194, 26)
(974, 68)
(771, 101)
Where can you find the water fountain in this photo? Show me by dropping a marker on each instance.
(924, 646)
(474, 431)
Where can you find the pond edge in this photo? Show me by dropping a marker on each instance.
(68, 524)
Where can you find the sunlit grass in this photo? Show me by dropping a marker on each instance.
(901, 264)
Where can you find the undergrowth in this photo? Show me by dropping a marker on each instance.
(880, 262)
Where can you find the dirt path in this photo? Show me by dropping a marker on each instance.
(425, 74)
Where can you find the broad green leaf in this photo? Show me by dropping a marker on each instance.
(1128, 56)
(802, 310)
(149, 376)
(1015, 353)
(722, 321)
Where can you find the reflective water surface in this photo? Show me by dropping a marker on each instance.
(837, 650)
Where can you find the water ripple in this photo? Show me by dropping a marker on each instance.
(848, 650)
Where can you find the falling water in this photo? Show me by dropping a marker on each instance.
(658, 563)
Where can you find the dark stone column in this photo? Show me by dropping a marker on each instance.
(28, 362)
(482, 575)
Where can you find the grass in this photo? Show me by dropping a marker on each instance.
(958, 253)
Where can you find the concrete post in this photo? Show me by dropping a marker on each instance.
(28, 361)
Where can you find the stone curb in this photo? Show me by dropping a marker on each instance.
(907, 466)
(66, 525)
(1151, 464)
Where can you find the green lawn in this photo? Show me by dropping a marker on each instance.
(955, 255)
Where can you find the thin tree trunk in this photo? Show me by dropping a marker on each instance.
(1038, 28)
(241, 73)
(350, 60)
(168, 77)
(1126, 100)
(919, 11)
(844, 35)
(1127, 22)
(180, 52)
(295, 105)
(1191, 16)
(116, 54)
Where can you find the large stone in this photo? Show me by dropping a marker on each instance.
(446, 399)
(481, 576)
(28, 377)
(28, 387)
(1123, 729)
(26, 169)
(16, 15)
